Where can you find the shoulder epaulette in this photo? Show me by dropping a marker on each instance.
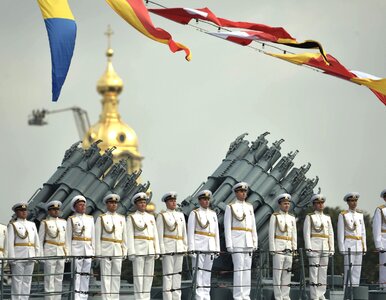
(71, 217)
(101, 215)
(62, 219)
(343, 212)
(44, 220)
(89, 216)
(359, 211)
(276, 213)
(381, 206)
(195, 209)
(310, 214)
(291, 214)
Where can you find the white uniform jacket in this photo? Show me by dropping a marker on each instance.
(3, 241)
(351, 231)
(52, 236)
(282, 232)
(203, 232)
(172, 232)
(240, 226)
(23, 239)
(80, 235)
(379, 227)
(142, 234)
(318, 233)
(111, 235)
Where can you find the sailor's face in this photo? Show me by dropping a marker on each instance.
(54, 212)
(22, 213)
(284, 205)
(319, 206)
(352, 203)
(171, 204)
(112, 206)
(80, 207)
(141, 205)
(204, 202)
(241, 195)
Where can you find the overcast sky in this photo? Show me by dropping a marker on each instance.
(186, 114)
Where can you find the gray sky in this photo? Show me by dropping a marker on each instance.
(186, 114)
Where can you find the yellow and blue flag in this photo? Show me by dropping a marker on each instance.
(61, 30)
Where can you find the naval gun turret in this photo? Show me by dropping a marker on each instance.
(268, 174)
(91, 174)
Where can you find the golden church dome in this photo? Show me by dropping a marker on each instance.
(110, 128)
(110, 81)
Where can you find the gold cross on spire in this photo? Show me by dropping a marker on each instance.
(109, 33)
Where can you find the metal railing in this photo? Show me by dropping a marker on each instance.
(261, 271)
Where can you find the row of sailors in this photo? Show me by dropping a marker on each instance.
(143, 239)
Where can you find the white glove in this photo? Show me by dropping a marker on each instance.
(272, 253)
(230, 249)
(193, 255)
(131, 257)
(156, 256)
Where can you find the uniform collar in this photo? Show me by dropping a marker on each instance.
(318, 212)
(21, 220)
(283, 212)
(141, 213)
(170, 210)
(52, 218)
(79, 214)
(203, 209)
(110, 213)
(240, 201)
(352, 211)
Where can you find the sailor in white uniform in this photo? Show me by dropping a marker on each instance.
(352, 235)
(143, 246)
(173, 244)
(80, 242)
(23, 242)
(319, 244)
(52, 236)
(111, 245)
(379, 233)
(282, 245)
(241, 240)
(3, 246)
(203, 235)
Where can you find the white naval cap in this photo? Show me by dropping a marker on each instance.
(20, 205)
(204, 194)
(383, 193)
(168, 196)
(240, 186)
(76, 199)
(282, 197)
(354, 195)
(318, 197)
(111, 197)
(140, 196)
(53, 204)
